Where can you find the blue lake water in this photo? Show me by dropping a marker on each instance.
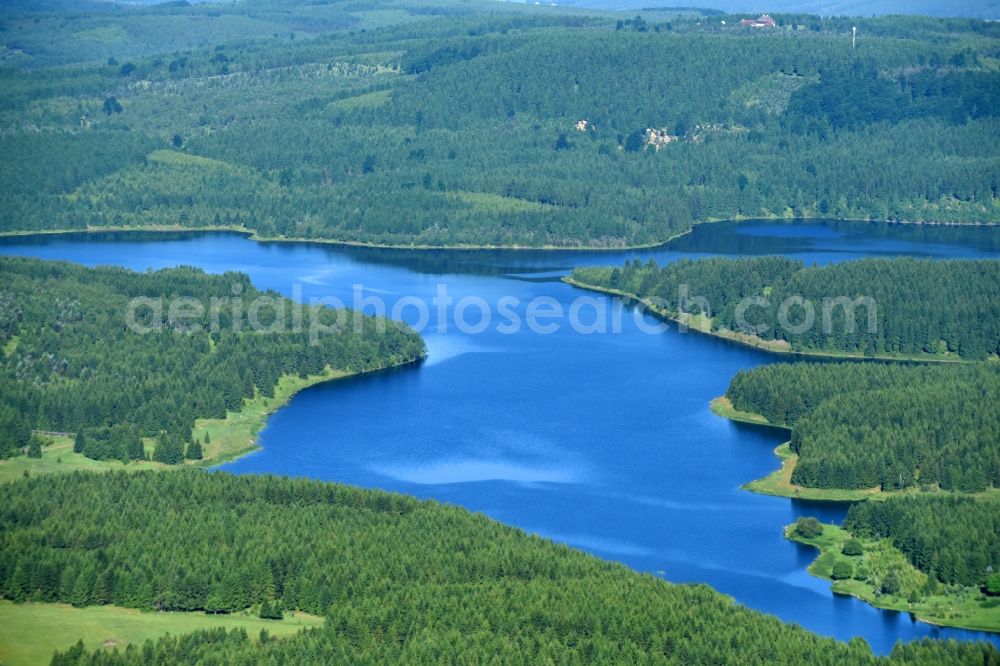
(604, 441)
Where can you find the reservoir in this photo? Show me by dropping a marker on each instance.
(601, 440)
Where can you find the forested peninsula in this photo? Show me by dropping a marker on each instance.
(481, 124)
(886, 308)
(401, 581)
(920, 444)
(193, 375)
(881, 427)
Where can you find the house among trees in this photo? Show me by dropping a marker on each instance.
(764, 21)
(658, 138)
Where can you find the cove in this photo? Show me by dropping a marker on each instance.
(605, 441)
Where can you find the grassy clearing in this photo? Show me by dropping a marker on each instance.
(229, 438)
(770, 92)
(935, 603)
(11, 346)
(58, 458)
(31, 632)
(486, 202)
(111, 34)
(175, 158)
(369, 100)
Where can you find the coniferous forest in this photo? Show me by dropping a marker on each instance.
(861, 425)
(71, 363)
(470, 123)
(401, 581)
(952, 539)
(476, 124)
(910, 307)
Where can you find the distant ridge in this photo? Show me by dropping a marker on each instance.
(982, 9)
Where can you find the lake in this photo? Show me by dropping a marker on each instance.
(604, 441)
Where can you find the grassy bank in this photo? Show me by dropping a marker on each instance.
(779, 482)
(229, 438)
(703, 325)
(952, 606)
(721, 406)
(236, 435)
(31, 632)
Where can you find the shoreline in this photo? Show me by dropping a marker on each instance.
(778, 483)
(829, 545)
(254, 421)
(771, 347)
(254, 236)
(231, 437)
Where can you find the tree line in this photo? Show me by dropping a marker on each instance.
(401, 581)
(468, 123)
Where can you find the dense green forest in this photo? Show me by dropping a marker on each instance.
(917, 306)
(457, 123)
(952, 539)
(861, 425)
(71, 364)
(400, 580)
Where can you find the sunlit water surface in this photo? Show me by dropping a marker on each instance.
(602, 441)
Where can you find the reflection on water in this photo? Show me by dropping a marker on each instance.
(475, 469)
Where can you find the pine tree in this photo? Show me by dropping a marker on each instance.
(193, 450)
(272, 610)
(34, 447)
(169, 450)
(136, 451)
(80, 442)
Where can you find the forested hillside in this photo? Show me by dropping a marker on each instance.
(489, 124)
(71, 364)
(910, 307)
(862, 425)
(953, 540)
(402, 581)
